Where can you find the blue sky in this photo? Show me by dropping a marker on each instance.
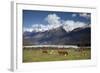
(44, 18)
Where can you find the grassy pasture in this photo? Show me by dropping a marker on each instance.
(51, 54)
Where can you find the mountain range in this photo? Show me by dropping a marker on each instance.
(59, 36)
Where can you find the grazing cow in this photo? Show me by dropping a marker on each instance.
(45, 51)
(65, 53)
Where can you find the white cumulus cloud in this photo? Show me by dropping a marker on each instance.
(53, 20)
(74, 15)
(86, 15)
(69, 25)
(28, 29)
(39, 27)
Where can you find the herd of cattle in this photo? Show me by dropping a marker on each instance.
(62, 52)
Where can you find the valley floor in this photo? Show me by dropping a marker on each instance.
(55, 54)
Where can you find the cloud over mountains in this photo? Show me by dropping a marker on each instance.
(54, 21)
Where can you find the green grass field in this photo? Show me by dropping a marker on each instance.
(37, 55)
